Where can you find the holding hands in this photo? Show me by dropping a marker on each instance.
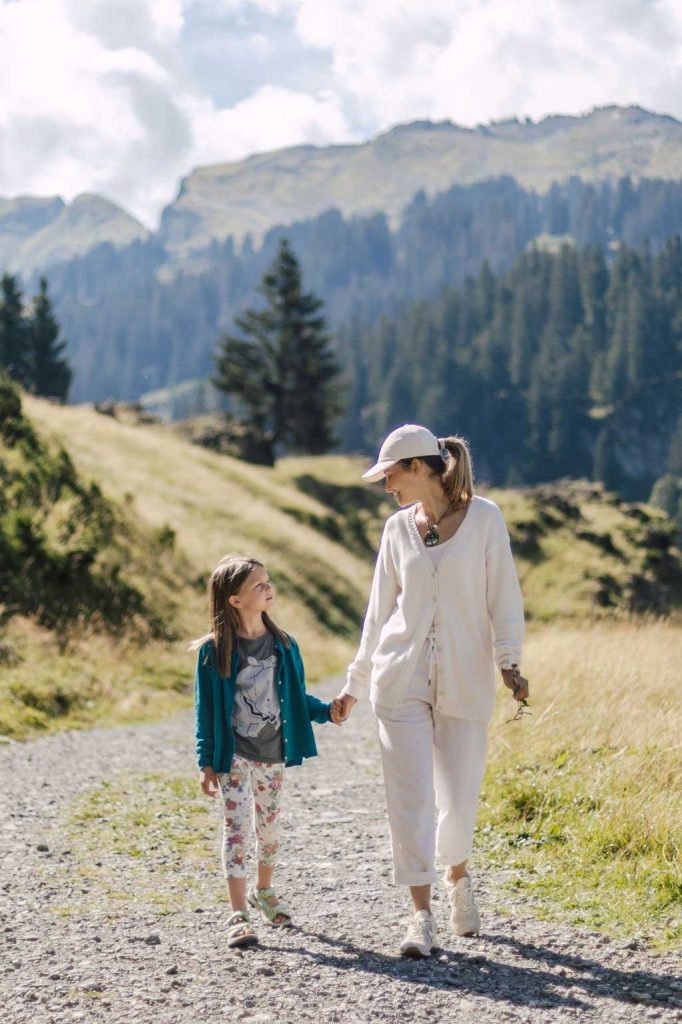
(335, 712)
(341, 707)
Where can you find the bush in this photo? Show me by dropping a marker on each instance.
(57, 536)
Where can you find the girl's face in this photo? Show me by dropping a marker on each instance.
(256, 593)
(405, 484)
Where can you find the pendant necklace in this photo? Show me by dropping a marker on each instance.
(431, 536)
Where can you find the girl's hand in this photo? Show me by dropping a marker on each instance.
(518, 685)
(336, 711)
(209, 782)
(346, 702)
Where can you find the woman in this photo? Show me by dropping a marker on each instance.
(445, 605)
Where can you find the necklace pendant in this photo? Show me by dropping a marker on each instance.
(431, 537)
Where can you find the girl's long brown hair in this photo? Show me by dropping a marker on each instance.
(227, 579)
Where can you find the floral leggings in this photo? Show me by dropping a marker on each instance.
(263, 782)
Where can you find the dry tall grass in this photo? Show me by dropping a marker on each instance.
(584, 799)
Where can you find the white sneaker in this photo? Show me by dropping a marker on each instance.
(464, 916)
(420, 937)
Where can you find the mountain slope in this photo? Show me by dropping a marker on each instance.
(37, 233)
(281, 187)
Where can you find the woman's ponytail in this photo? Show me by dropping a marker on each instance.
(458, 478)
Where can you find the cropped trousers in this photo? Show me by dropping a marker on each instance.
(433, 767)
(251, 793)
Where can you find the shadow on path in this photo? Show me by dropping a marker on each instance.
(545, 979)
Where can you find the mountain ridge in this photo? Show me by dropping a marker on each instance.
(248, 197)
(64, 231)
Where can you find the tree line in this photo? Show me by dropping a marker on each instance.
(135, 325)
(31, 351)
(564, 365)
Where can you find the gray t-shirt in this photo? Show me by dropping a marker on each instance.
(256, 717)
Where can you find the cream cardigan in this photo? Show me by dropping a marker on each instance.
(473, 599)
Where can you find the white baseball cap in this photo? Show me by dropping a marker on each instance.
(406, 442)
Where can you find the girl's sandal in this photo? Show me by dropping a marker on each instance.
(240, 930)
(259, 898)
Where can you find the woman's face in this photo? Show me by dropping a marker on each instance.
(403, 483)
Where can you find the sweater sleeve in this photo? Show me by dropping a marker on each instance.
(382, 599)
(203, 711)
(504, 600)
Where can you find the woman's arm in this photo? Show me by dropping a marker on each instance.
(504, 600)
(203, 711)
(382, 599)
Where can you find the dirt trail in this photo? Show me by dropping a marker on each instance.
(118, 917)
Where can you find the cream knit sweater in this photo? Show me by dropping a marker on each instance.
(473, 599)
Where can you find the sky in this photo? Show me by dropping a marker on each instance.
(125, 97)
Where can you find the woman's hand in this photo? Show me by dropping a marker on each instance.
(346, 702)
(518, 685)
(209, 782)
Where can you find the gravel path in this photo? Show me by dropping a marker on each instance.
(94, 931)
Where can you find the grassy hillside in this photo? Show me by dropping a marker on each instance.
(582, 557)
(80, 578)
(180, 509)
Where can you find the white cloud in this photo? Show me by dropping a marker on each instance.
(101, 94)
(94, 96)
(475, 60)
(72, 110)
(270, 119)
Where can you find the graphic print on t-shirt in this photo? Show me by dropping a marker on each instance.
(255, 701)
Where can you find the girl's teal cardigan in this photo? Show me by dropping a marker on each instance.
(214, 700)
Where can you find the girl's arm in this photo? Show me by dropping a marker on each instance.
(504, 600)
(319, 710)
(382, 599)
(203, 711)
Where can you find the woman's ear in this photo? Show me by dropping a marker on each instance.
(233, 600)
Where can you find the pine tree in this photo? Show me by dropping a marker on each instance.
(14, 334)
(50, 372)
(282, 368)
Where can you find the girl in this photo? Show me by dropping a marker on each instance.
(445, 607)
(252, 718)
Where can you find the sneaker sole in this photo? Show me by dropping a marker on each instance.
(243, 940)
(415, 953)
(469, 931)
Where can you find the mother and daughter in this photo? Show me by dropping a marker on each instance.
(445, 606)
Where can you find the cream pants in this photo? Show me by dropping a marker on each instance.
(431, 762)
